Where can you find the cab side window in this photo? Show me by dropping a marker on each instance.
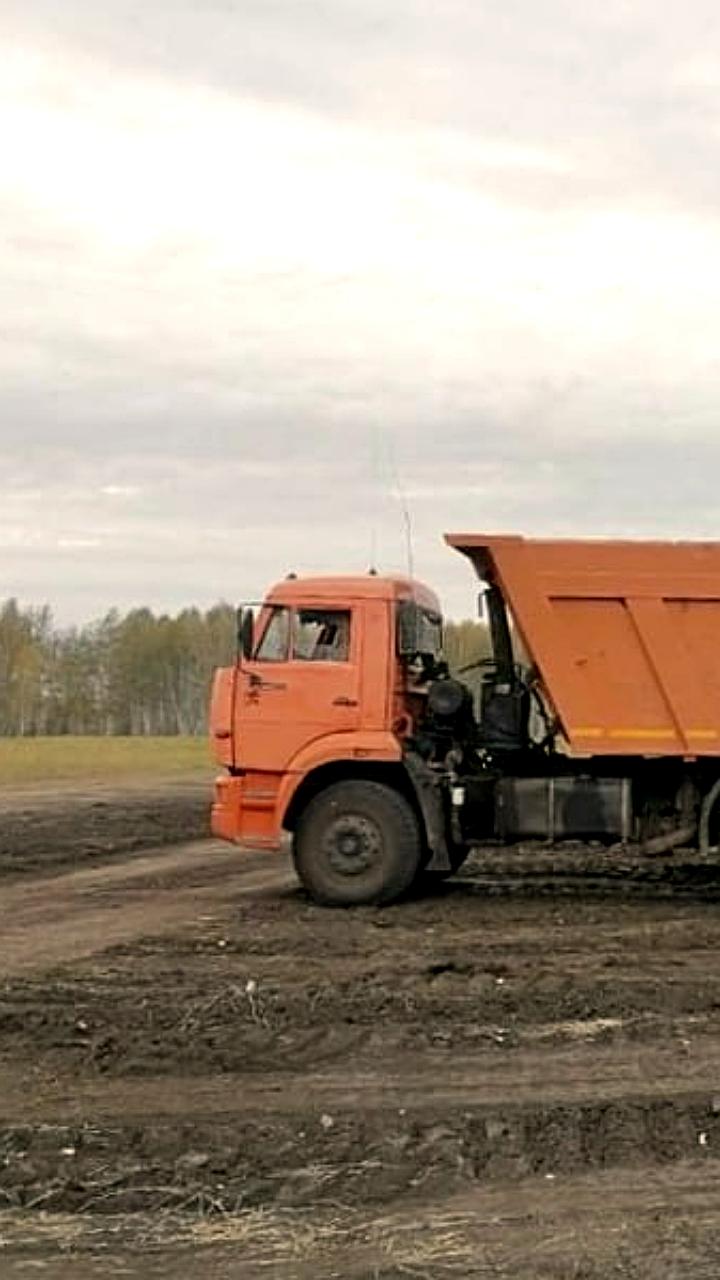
(275, 643)
(321, 635)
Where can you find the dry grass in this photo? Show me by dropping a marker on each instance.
(427, 1245)
(30, 760)
(430, 1244)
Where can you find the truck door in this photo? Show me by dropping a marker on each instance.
(303, 683)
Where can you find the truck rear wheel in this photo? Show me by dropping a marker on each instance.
(357, 843)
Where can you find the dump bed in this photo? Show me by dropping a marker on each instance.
(625, 636)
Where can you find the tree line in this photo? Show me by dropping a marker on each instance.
(138, 673)
(134, 674)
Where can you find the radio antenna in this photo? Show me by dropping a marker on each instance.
(404, 507)
(373, 552)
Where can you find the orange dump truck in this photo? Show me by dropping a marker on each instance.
(597, 718)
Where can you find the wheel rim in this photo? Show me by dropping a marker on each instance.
(352, 845)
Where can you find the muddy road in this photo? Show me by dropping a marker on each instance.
(203, 1074)
(46, 829)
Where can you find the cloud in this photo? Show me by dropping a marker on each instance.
(262, 262)
(120, 490)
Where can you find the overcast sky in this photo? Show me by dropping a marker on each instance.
(265, 262)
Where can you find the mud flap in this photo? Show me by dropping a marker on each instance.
(428, 790)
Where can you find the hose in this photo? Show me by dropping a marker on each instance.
(669, 841)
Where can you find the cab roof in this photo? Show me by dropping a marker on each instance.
(337, 589)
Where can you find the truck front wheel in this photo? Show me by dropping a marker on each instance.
(357, 843)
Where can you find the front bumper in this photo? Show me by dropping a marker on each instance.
(244, 812)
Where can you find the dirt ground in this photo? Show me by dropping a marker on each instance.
(64, 825)
(204, 1075)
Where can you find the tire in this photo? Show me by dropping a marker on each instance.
(357, 843)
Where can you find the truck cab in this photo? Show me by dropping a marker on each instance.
(316, 718)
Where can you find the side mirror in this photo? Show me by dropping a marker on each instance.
(245, 633)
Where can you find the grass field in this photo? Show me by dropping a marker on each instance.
(29, 760)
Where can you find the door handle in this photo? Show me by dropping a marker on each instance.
(345, 702)
(257, 683)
